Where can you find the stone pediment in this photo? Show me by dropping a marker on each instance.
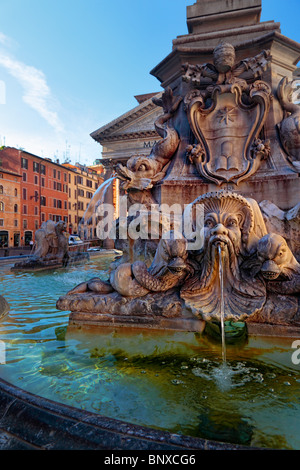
(138, 122)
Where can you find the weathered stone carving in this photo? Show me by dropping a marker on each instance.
(289, 128)
(229, 222)
(51, 241)
(148, 310)
(224, 134)
(133, 292)
(168, 270)
(278, 262)
(51, 247)
(285, 223)
(281, 271)
(225, 69)
(259, 269)
(227, 116)
(142, 172)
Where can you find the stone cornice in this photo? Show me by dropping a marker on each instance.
(130, 136)
(169, 69)
(262, 27)
(104, 133)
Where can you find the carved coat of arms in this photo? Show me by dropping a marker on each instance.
(226, 113)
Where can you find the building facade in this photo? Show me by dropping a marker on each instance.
(83, 182)
(10, 207)
(44, 193)
(34, 190)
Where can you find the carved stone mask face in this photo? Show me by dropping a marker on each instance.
(223, 228)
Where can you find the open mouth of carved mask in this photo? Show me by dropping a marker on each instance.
(270, 275)
(177, 265)
(270, 270)
(219, 240)
(123, 173)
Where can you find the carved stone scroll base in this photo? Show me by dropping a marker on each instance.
(278, 310)
(36, 265)
(150, 311)
(165, 312)
(33, 264)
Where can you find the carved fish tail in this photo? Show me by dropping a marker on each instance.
(145, 279)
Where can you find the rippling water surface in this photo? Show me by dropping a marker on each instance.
(171, 381)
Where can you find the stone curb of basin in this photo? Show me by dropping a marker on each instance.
(30, 422)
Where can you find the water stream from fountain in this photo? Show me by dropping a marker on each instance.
(222, 309)
(97, 199)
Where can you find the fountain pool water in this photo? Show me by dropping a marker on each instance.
(173, 381)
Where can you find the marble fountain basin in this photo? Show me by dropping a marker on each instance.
(65, 386)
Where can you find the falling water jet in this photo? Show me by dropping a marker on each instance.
(97, 199)
(222, 309)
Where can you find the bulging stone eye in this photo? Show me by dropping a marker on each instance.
(231, 223)
(208, 224)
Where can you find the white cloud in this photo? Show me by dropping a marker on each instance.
(5, 40)
(37, 93)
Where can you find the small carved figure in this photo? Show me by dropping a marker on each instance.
(51, 241)
(141, 172)
(278, 263)
(169, 269)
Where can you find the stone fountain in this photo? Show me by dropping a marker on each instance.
(51, 249)
(229, 157)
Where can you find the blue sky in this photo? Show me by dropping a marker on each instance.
(70, 67)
